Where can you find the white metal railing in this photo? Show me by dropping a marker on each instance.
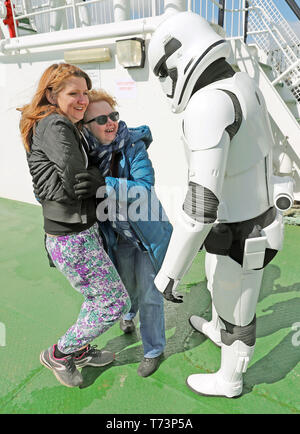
(77, 13)
(44, 17)
(266, 26)
(233, 17)
(273, 35)
(49, 15)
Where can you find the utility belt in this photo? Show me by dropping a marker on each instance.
(247, 242)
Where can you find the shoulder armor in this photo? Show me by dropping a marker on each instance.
(208, 113)
(233, 128)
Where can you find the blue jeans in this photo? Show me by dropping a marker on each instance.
(137, 273)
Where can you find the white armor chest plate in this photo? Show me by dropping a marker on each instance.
(246, 189)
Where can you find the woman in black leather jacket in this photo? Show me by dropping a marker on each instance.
(57, 158)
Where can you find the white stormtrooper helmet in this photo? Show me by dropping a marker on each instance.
(180, 50)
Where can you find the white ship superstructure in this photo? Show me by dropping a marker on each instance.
(103, 38)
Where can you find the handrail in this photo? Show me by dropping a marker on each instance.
(290, 68)
(270, 30)
(111, 30)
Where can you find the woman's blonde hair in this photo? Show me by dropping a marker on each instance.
(96, 95)
(52, 79)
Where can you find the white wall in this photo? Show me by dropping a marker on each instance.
(143, 103)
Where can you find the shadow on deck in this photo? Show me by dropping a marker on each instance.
(37, 305)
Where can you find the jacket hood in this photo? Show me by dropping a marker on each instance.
(141, 133)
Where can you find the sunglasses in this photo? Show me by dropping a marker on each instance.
(102, 119)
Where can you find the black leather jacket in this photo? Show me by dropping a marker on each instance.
(57, 155)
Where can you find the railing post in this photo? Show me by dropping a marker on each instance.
(221, 13)
(246, 21)
(121, 10)
(57, 18)
(75, 15)
(10, 19)
(175, 6)
(83, 15)
(153, 7)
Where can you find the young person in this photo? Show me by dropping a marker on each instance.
(137, 243)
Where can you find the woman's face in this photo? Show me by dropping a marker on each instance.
(73, 98)
(105, 133)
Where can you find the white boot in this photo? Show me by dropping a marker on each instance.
(211, 329)
(228, 381)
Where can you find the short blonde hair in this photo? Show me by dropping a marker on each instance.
(96, 95)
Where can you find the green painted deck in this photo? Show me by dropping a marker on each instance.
(37, 305)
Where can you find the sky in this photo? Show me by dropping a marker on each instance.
(289, 14)
(285, 9)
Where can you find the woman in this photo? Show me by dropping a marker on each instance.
(136, 242)
(56, 154)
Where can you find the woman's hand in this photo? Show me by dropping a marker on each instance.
(88, 183)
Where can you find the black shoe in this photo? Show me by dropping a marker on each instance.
(93, 357)
(63, 368)
(148, 366)
(127, 326)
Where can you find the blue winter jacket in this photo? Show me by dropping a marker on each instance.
(134, 170)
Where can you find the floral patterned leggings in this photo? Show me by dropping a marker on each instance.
(83, 260)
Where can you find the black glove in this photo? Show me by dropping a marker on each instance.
(88, 183)
(171, 295)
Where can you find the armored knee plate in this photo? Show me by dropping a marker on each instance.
(232, 333)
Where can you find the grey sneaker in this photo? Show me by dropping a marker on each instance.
(127, 326)
(93, 357)
(64, 369)
(148, 366)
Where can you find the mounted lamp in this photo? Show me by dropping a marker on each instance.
(90, 55)
(131, 52)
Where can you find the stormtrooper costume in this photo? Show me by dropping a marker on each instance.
(233, 207)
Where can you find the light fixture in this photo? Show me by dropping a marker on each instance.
(90, 55)
(131, 52)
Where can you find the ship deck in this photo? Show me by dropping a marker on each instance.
(37, 305)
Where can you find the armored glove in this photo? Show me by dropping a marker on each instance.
(167, 286)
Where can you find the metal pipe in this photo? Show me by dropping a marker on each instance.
(101, 31)
(246, 12)
(221, 13)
